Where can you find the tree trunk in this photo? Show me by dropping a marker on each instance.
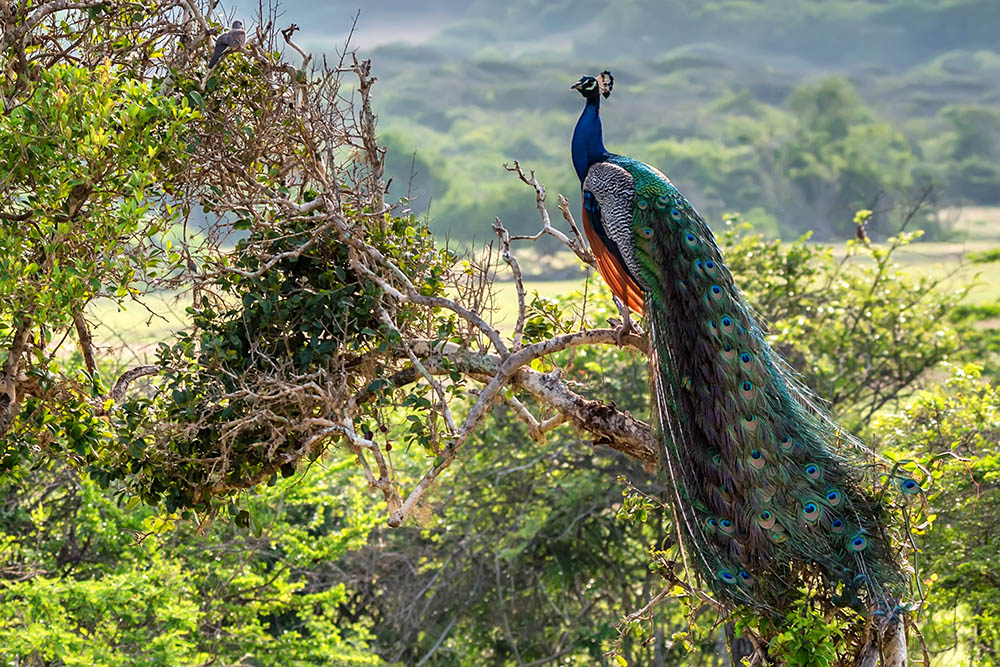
(885, 644)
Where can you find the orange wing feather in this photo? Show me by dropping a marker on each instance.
(614, 274)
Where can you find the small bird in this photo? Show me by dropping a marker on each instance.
(759, 485)
(227, 42)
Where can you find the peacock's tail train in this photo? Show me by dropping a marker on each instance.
(761, 484)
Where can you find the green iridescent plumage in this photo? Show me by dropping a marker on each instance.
(760, 485)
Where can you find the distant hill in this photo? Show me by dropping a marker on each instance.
(795, 112)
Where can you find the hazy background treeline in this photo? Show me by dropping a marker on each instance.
(794, 112)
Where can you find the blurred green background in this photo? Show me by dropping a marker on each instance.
(793, 112)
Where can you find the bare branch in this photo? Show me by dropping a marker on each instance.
(128, 377)
(435, 302)
(8, 380)
(575, 244)
(40, 13)
(518, 280)
(615, 428)
(586, 255)
(287, 35)
(442, 400)
(885, 642)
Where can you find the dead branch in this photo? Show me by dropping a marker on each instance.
(576, 244)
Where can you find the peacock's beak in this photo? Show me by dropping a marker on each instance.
(576, 86)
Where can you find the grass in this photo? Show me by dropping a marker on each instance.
(978, 228)
(505, 316)
(132, 331)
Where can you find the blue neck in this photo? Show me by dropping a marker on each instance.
(588, 139)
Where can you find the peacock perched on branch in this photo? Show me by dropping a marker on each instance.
(763, 485)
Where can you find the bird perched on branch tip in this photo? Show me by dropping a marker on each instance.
(228, 42)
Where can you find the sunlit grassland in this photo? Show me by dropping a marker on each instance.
(576, 289)
(976, 229)
(129, 333)
(944, 260)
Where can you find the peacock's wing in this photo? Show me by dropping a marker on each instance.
(760, 486)
(607, 214)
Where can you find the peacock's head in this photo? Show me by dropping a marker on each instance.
(593, 86)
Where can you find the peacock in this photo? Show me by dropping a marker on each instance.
(763, 484)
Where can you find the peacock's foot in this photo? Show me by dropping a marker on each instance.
(622, 329)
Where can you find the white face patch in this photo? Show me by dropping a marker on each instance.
(605, 82)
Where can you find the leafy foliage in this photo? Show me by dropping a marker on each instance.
(90, 152)
(952, 433)
(297, 317)
(860, 329)
(92, 579)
